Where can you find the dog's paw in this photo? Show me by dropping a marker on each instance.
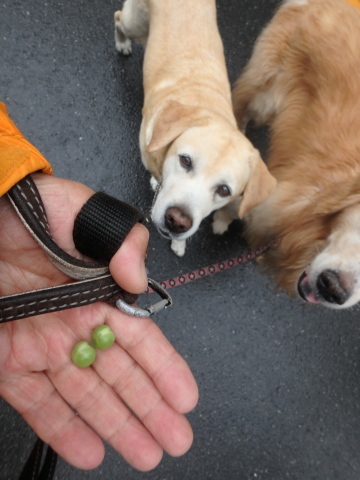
(220, 226)
(178, 247)
(153, 183)
(122, 43)
(123, 47)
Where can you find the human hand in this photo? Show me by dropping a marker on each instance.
(136, 392)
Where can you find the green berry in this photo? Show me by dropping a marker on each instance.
(102, 337)
(83, 354)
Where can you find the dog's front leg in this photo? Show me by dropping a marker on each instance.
(154, 183)
(178, 247)
(221, 222)
(223, 217)
(122, 42)
(131, 23)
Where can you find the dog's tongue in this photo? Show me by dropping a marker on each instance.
(305, 290)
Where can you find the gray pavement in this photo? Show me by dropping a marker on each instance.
(279, 380)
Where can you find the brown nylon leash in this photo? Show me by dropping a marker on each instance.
(211, 269)
(189, 277)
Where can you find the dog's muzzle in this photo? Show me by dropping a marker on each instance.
(330, 288)
(177, 220)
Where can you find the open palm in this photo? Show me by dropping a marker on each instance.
(136, 392)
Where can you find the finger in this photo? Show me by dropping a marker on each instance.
(128, 264)
(100, 407)
(103, 410)
(35, 398)
(108, 416)
(147, 345)
(170, 428)
(141, 338)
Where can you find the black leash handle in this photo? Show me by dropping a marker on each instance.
(99, 230)
(99, 219)
(72, 295)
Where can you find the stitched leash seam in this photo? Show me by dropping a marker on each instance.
(35, 195)
(60, 297)
(41, 221)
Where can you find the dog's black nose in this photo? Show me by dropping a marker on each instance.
(177, 221)
(330, 287)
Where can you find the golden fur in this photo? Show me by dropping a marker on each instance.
(304, 81)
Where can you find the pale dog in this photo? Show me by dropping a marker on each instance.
(189, 139)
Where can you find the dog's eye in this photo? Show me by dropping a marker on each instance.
(185, 161)
(223, 191)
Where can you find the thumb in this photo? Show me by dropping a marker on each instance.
(128, 264)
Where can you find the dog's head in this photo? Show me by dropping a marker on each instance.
(314, 241)
(332, 278)
(204, 164)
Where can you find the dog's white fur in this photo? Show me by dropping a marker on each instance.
(189, 138)
(303, 80)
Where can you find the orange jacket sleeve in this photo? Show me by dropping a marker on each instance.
(18, 157)
(356, 3)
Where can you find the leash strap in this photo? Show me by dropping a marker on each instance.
(52, 299)
(210, 269)
(102, 225)
(106, 221)
(31, 470)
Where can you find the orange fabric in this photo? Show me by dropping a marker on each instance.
(356, 3)
(18, 157)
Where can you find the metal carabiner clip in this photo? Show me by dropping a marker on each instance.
(147, 311)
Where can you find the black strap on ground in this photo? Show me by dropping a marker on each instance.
(33, 470)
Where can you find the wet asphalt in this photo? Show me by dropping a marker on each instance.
(278, 379)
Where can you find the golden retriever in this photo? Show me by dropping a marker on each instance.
(189, 138)
(303, 79)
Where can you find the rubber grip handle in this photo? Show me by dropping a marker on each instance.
(103, 224)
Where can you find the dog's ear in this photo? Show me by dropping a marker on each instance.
(260, 185)
(169, 123)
